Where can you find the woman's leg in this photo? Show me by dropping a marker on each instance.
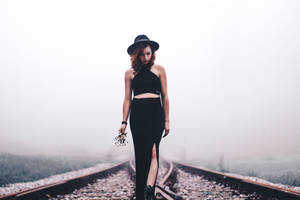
(153, 171)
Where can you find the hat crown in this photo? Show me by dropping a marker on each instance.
(141, 38)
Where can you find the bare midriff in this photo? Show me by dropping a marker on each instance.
(146, 95)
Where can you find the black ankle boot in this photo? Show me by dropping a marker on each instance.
(149, 192)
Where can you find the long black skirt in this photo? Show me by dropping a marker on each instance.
(147, 126)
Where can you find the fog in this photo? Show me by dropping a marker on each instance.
(232, 70)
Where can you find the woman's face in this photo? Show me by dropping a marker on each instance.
(145, 55)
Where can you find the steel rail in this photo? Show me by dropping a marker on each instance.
(45, 191)
(242, 184)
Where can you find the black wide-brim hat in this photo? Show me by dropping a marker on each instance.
(142, 39)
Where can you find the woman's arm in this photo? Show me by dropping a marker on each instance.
(127, 100)
(165, 98)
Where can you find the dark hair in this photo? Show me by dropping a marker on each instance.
(136, 64)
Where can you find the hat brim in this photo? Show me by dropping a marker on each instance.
(154, 44)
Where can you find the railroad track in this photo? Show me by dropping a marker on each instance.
(162, 190)
(199, 183)
(175, 181)
(116, 182)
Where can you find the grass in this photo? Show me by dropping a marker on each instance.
(278, 169)
(24, 168)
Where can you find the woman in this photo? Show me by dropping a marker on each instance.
(149, 114)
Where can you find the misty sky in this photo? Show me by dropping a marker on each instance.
(232, 70)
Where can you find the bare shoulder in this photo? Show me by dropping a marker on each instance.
(129, 70)
(161, 69)
(129, 73)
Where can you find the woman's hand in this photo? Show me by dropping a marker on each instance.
(167, 128)
(122, 128)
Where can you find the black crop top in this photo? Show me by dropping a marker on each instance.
(145, 81)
